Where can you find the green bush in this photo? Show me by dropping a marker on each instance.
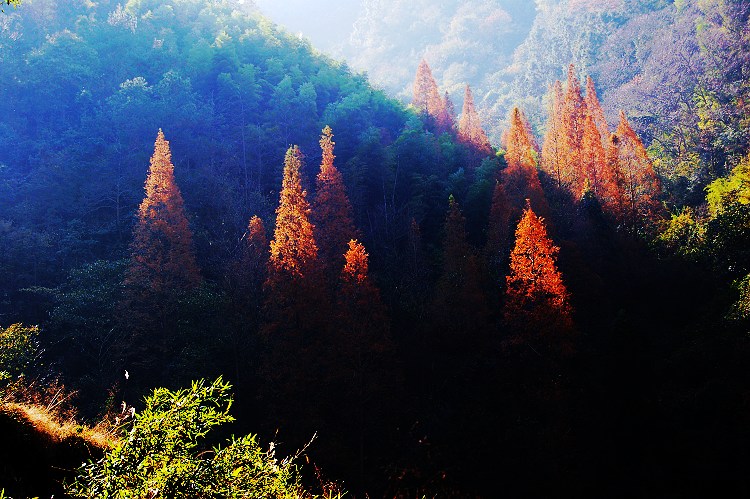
(19, 348)
(160, 454)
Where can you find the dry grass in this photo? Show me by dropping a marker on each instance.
(55, 430)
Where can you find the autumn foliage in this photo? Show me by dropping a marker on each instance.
(521, 178)
(426, 97)
(162, 258)
(470, 129)
(537, 303)
(293, 248)
(331, 211)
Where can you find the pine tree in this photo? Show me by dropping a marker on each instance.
(332, 212)
(536, 300)
(360, 371)
(248, 273)
(161, 254)
(593, 159)
(554, 156)
(498, 231)
(470, 130)
(162, 269)
(426, 98)
(244, 285)
(447, 118)
(594, 108)
(574, 115)
(293, 248)
(459, 302)
(521, 178)
(639, 185)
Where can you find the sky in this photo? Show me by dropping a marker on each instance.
(327, 24)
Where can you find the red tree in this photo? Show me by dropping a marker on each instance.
(293, 248)
(446, 120)
(470, 130)
(332, 212)
(638, 185)
(426, 98)
(536, 300)
(593, 160)
(594, 108)
(554, 155)
(520, 178)
(574, 116)
(162, 258)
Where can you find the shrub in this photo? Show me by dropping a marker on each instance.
(162, 454)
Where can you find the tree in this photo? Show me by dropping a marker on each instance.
(593, 161)
(244, 282)
(554, 157)
(459, 305)
(574, 115)
(638, 185)
(426, 97)
(594, 109)
(332, 212)
(520, 178)
(161, 254)
(447, 118)
(470, 130)
(498, 231)
(293, 248)
(19, 348)
(537, 304)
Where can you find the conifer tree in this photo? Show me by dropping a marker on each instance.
(593, 159)
(459, 301)
(520, 178)
(249, 272)
(639, 185)
(162, 269)
(574, 115)
(470, 130)
(426, 98)
(293, 248)
(554, 156)
(161, 254)
(244, 283)
(498, 231)
(361, 368)
(447, 118)
(536, 300)
(594, 108)
(332, 212)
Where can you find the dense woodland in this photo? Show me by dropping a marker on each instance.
(560, 307)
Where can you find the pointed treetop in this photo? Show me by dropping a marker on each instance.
(594, 108)
(534, 286)
(332, 211)
(426, 98)
(293, 247)
(161, 215)
(470, 129)
(519, 147)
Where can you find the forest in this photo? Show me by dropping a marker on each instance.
(234, 266)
